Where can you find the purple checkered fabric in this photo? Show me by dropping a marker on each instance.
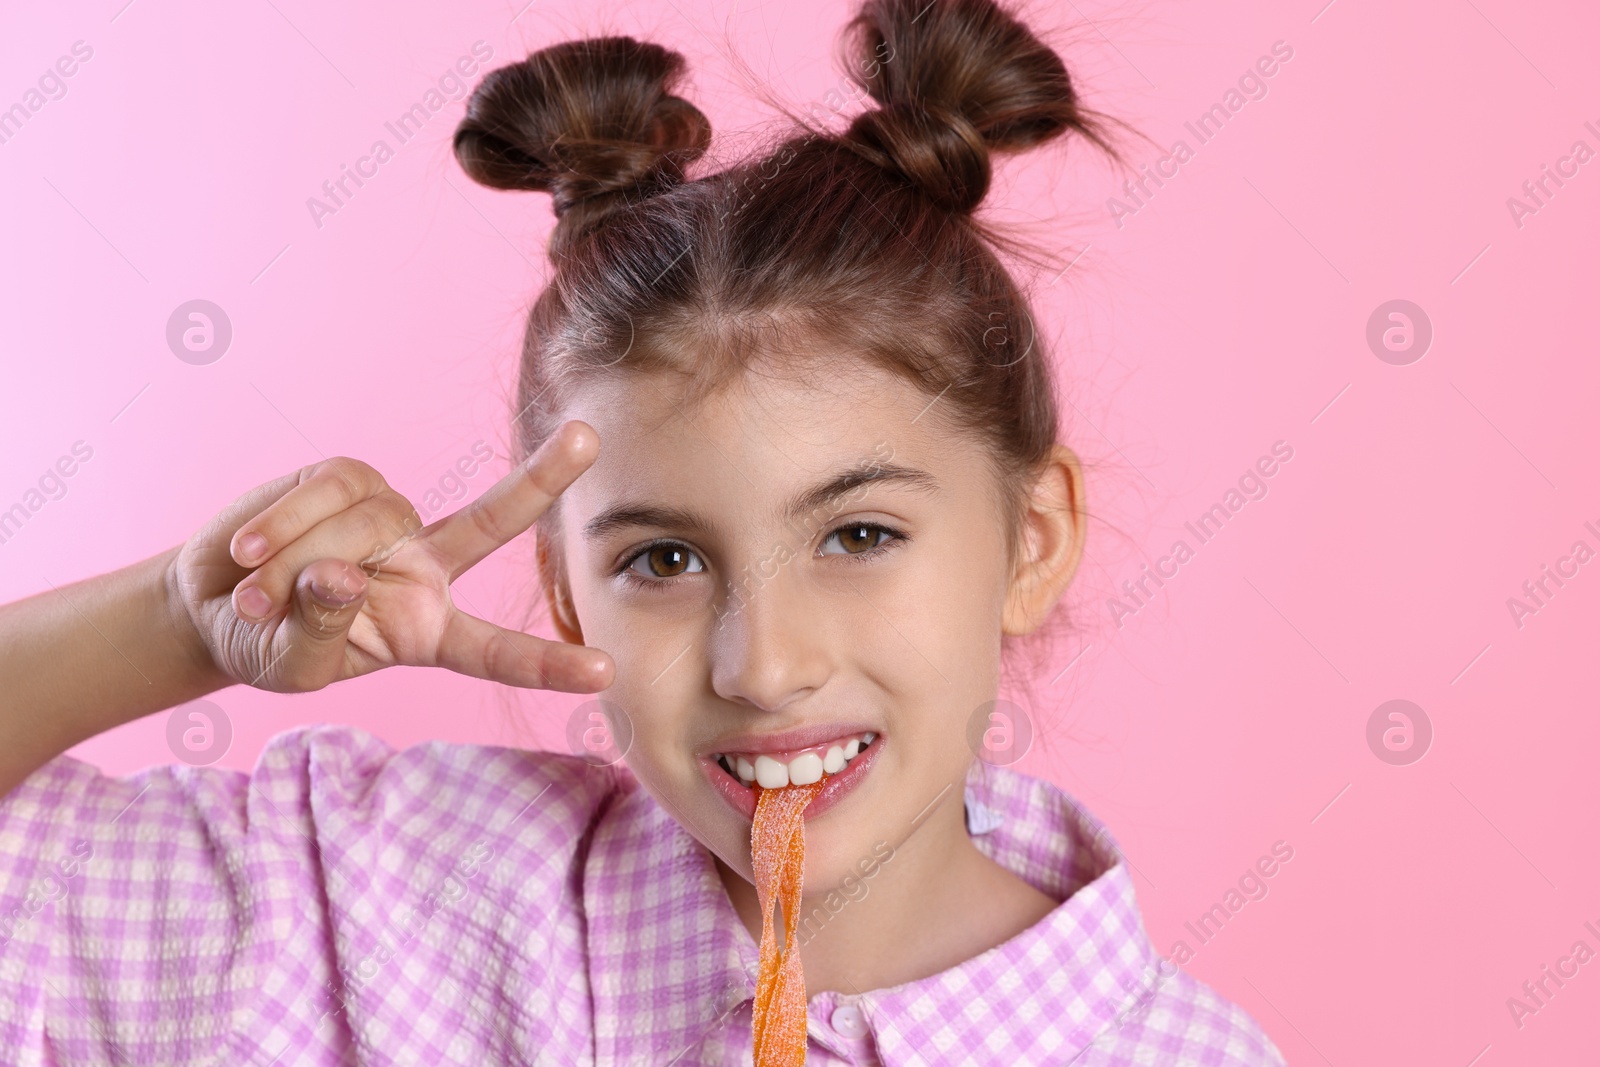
(347, 903)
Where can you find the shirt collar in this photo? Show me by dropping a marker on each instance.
(671, 962)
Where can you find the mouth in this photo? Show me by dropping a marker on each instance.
(840, 763)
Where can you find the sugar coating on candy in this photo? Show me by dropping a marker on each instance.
(778, 853)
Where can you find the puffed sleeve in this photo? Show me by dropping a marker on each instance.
(325, 905)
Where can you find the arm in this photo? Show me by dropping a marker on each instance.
(80, 659)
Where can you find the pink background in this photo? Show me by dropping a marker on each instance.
(1228, 313)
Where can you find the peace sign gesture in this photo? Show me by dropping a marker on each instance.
(327, 573)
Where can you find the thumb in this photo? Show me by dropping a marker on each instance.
(328, 595)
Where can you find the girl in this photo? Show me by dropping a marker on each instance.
(792, 463)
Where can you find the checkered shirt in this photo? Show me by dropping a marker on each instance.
(347, 903)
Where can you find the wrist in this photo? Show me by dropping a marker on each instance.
(183, 630)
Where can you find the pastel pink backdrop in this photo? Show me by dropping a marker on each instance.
(1227, 313)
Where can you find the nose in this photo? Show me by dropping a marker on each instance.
(769, 647)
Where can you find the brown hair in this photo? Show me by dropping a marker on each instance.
(839, 238)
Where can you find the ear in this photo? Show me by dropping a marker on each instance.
(1050, 545)
(553, 577)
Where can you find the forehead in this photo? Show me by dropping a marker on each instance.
(751, 457)
(772, 424)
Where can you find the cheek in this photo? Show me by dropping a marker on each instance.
(659, 714)
(654, 684)
(644, 632)
(935, 619)
(928, 636)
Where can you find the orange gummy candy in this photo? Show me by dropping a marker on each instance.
(778, 852)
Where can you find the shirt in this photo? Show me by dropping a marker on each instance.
(348, 903)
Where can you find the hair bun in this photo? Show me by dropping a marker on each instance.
(942, 153)
(592, 122)
(957, 80)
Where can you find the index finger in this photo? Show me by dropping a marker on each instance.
(512, 504)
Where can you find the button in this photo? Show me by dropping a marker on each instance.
(848, 1020)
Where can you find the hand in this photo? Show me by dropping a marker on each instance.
(345, 579)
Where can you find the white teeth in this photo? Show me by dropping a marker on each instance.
(770, 774)
(805, 769)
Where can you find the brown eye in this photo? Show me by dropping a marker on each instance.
(666, 561)
(857, 539)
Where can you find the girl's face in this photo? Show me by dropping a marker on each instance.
(822, 554)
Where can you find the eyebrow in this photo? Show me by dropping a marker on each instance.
(818, 497)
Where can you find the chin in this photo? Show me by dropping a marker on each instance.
(843, 863)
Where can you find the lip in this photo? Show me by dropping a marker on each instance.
(835, 787)
(786, 740)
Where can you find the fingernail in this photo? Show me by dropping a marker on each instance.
(251, 545)
(338, 597)
(254, 603)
